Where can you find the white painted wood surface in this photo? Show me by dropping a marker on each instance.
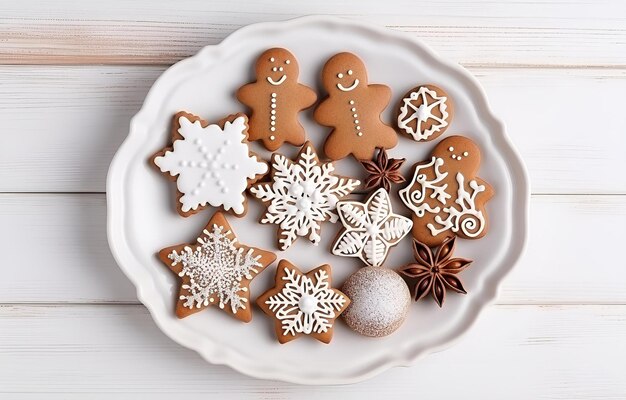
(72, 75)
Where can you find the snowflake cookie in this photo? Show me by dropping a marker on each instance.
(216, 270)
(303, 304)
(424, 113)
(211, 163)
(301, 195)
(446, 196)
(370, 229)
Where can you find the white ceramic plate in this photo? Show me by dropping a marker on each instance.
(142, 218)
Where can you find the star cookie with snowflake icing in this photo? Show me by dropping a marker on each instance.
(303, 304)
(370, 229)
(301, 195)
(211, 163)
(216, 270)
(424, 113)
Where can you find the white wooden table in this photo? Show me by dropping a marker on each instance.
(73, 73)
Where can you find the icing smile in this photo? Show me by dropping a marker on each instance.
(278, 82)
(349, 88)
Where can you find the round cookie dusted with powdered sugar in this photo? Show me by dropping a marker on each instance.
(424, 113)
(380, 301)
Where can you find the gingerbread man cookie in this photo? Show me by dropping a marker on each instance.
(216, 270)
(446, 196)
(353, 110)
(276, 98)
(303, 304)
(211, 163)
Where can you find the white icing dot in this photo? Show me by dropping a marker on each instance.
(353, 109)
(273, 122)
(465, 153)
(340, 75)
(360, 134)
(358, 128)
(273, 106)
(453, 155)
(351, 102)
(272, 137)
(459, 158)
(273, 112)
(356, 121)
(212, 300)
(287, 61)
(451, 148)
(273, 117)
(274, 69)
(280, 69)
(273, 100)
(349, 72)
(272, 59)
(355, 115)
(307, 304)
(273, 94)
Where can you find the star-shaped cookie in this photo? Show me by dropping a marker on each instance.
(216, 270)
(370, 228)
(303, 304)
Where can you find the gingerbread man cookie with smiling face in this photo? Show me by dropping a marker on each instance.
(275, 99)
(353, 109)
(445, 194)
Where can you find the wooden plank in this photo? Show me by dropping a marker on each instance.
(570, 257)
(513, 352)
(480, 32)
(62, 125)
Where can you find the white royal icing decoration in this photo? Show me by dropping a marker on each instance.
(409, 112)
(303, 193)
(349, 88)
(278, 82)
(414, 198)
(213, 164)
(371, 228)
(468, 219)
(215, 269)
(304, 306)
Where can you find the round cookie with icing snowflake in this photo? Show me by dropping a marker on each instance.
(211, 163)
(446, 195)
(424, 113)
(303, 304)
(379, 301)
(216, 270)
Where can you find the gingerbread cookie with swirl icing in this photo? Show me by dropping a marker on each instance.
(275, 99)
(424, 113)
(353, 108)
(446, 195)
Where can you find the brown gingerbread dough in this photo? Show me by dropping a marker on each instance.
(353, 109)
(275, 99)
(445, 194)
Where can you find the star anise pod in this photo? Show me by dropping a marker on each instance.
(383, 171)
(433, 273)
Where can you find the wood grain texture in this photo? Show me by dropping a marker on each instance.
(62, 125)
(74, 352)
(565, 262)
(505, 32)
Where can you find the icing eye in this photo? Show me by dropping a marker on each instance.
(280, 69)
(274, 69)
(340, 75)
(450, 148)
(466, 154)
(287, 61)
(272, 59)
(349, 72)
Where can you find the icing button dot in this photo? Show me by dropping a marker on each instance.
(351, 101)
(453, 155)
(272, 59)
(465, 153)
(360, 134)
(272, 137)
(356, 121)
(273, 105)
(358, 128)
(287, 62)
(272, 129)
(273, 122)
(353, 109)
(274, 69)
(459, 158)
(280, 69)
(307, 304)
(274, 100)
(273, 112)
(273, 117)
(451, 148)
(355, 115)
(273, 94)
